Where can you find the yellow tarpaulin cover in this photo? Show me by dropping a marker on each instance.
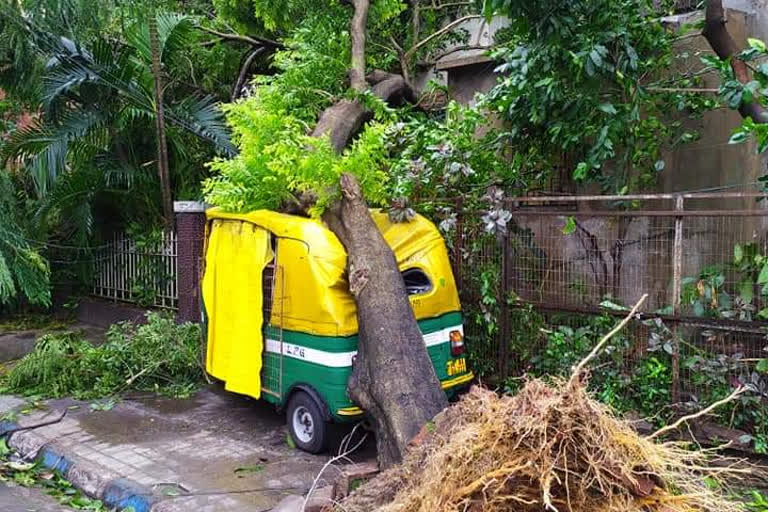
(232, 293)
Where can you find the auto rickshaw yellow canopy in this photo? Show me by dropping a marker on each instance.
(311, 293)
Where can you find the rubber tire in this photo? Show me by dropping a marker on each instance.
(320, 438)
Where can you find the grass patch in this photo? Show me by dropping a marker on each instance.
(33, 322)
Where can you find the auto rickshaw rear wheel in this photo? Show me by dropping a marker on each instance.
(306, 424)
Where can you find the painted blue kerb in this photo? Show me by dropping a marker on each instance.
(123, 493)
(120, 493)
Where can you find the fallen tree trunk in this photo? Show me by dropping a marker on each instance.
(393, 379)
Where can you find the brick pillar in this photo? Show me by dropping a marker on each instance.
(190, 231)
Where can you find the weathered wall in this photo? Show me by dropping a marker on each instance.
(711, 162)
(466, 81)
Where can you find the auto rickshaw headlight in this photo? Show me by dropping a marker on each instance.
(457, 343)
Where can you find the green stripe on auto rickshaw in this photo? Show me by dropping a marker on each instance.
(349, 343)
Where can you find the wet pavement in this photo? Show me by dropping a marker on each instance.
(22, 499)
(215, 452)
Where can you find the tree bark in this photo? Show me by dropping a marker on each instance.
(357, 31)
(716, 33)
(343, 120)
(243, 75)
(162, 144)
(393, 378)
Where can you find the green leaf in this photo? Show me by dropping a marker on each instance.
(608, 108)
(581, 171)
(757, 44)
(250, 469)
(746, 291)
(4, 449)
(570, 226)
(762, 366)
(607, 304)
(763, 313)
(738, 254)
(596, 58)
(763, 277)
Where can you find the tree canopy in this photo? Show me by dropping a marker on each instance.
(589, 89)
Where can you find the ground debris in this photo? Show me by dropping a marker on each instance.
(550, 447)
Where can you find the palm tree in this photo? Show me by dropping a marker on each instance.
(97, 107)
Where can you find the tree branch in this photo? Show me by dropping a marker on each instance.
(700, 90)
(251, 40)
(716, 33)
(437, 7)
(357, 30)
(702, 412)
(439, 56)
(599, 347)
(439, 33)
(416, 20)
(243, 75)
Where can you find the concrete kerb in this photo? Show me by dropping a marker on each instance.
(96, 481)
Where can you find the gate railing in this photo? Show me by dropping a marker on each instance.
(138, 272)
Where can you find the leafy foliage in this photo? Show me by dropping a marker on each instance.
(737, 290)
(278, 162)
(590, 79)
(160, 356)
(23, 270)
(87, 77)
(735, 94)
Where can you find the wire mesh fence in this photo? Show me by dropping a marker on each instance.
(567, 261)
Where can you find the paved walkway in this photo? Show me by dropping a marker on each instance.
(215, 452)
(21, 499)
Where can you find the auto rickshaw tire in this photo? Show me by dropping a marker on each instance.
(306, 423)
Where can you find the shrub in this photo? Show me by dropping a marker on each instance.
(160, 356)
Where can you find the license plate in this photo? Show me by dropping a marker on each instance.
(457, 366)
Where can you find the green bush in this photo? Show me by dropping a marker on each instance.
(160, 356)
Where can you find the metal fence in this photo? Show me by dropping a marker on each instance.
(699, 257)
(143, 271)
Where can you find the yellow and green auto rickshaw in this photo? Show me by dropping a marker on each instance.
(281, 324)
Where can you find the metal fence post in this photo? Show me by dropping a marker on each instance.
(677, 276)
(504, 311)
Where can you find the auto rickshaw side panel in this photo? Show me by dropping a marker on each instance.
(325, 363)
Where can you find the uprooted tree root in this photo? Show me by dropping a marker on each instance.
(550, 447)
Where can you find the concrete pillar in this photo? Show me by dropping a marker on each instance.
(190, 232)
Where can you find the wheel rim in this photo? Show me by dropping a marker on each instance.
(303, 425)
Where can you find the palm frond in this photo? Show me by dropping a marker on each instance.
(63, 80)
(203, 117)
(71, 197)
(22, 268)
(45, 147)
(7, 287)
(173, 32)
